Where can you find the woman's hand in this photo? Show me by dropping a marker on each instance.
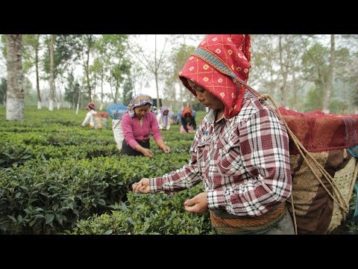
(142, 186)
(162, 145)
(197, 204)
(166, 149)
(147, 152)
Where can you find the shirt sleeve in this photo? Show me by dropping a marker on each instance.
(127, 129)
(265, 156)
(183, 178)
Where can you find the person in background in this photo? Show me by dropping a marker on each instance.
(187, 120)
(137, 126)
(240, 151)
(90, 116)
(164, 119)
(116, 112)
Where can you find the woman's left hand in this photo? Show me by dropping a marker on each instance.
(197, 204)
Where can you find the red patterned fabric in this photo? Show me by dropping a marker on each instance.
(316, 130)
(319, 131)
(234, 52)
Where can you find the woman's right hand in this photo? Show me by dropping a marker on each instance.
(142, 186)
(166, 149)
(147, 153)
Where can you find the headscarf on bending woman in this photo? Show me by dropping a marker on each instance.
(138, 101)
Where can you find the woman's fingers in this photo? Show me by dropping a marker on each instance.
(141, 186)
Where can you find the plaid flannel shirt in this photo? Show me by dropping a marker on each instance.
(243, 161)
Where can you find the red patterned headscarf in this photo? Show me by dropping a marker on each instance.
(221, 66)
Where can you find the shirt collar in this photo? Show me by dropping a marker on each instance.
(211, 117)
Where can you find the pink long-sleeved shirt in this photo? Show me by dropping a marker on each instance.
(133, 130)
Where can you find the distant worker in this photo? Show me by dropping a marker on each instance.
(164, 119)
(187, 120)
(90, 116)
(116, 112)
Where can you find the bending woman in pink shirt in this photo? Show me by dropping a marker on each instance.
(137, 125)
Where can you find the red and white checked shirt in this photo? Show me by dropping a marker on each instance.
(243, 161)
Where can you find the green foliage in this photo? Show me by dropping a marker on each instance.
(118, 73)
(315, 61)
(3, 41)
(316, 68)
(128, 88)
(72, 90)
(337, 106)
(177, 59)
(67, 47)
(352, 80)
(180, 56)
(54, 173)
(70, 189)
(67, 189)
(355, 97)
(149, 214)
(11, 155)
(112, 49)
(314, 99)
(31, 46)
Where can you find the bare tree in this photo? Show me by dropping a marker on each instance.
(31, 49)
(329, 85)
(284, 73)
(154, 65)
(52, 72)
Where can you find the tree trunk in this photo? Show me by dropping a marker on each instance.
(116, 93)
(15, 96)
(52, 73)
(329, 85)
(102, 94)
(295, 90)
(78, 101)
(283, 71)
(59, 99)
(157, 88)
(87, 69)
(39, 101)
(156, 73)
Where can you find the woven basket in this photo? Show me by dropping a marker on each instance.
(345, 180)
(316, 212)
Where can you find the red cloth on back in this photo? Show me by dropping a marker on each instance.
(320, 131)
